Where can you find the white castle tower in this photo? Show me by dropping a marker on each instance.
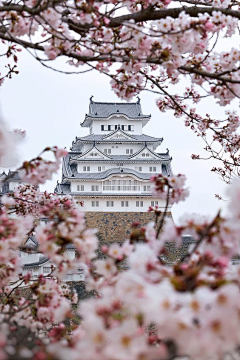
(109, 170)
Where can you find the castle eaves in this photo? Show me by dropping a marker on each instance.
(104, 110)
(105, 174)
(134, 138)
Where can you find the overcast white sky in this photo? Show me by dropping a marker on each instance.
(50, 107)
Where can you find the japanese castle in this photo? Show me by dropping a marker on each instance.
(110, 169)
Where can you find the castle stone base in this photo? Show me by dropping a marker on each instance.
(116, 226)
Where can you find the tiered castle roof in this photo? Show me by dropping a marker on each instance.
(80, 152)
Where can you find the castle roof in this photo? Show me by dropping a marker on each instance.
(105, 174)
(80, 156)
(104, 110)
(41, 261)
(77, 144)
(162, 157)
(11, 176)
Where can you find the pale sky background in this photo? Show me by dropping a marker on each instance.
(50, 107)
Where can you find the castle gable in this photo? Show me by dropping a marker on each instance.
(145, 153)
(118, 135)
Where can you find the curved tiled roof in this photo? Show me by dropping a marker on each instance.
(94, 147)
(62, 189)
(105, 174)
(106, 109)
(77, 144)
(124, 158)
(42, 261)
(11, 176)
(70, 170)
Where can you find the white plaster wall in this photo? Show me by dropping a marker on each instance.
(70, 254)
(35, 272)
(120, 149)
(13, 185)
(86, 147)
(117, 120)
(27, 258)
(116, 149)
(88, 185)
(94, 166)
(117, 204)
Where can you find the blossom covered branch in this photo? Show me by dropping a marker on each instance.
(146, 45)
(145, 309)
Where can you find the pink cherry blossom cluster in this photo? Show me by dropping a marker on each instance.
(143, 306)
(66, 225)
(145, 45)
(151, 309)
(171, 188)
(38, 170)
(12, 233)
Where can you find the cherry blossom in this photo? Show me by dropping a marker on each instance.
(145, 307)
(142, 46)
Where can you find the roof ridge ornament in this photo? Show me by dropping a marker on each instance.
(139, 100)
(91, 99)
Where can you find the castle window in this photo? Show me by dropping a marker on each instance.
(152, 169)
(121, 185)
(86, 168)
(101, 168)
(110, 204)
(107, 151)
(146, 188)
(95, 187)
(46, 269)
(139, 203)
(129, 151)
(154, 203)
(95, 203)
(138, 168)
(130, 127)
(124, 203)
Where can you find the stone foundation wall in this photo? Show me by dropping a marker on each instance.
(116, 226)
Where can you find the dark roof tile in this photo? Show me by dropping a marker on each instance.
(105, 109)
